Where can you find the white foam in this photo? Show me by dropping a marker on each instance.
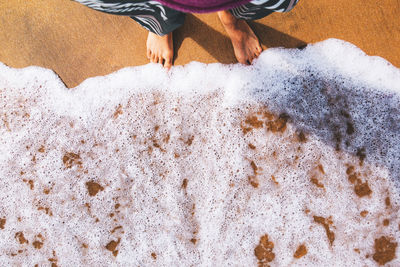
(199, 164)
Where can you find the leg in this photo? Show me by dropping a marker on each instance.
(245, 43)
(160, 24)
(160, 49)
(159, 20)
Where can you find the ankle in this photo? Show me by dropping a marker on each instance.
(227, 19)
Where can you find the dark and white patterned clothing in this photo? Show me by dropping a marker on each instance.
(161, 19)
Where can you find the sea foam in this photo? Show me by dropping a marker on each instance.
(291, 161)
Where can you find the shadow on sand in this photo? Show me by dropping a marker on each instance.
(219, 45)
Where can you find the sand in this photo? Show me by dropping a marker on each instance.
(70, 38)
(292, 161)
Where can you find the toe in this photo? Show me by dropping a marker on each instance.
(250, 57)
(168, 55)
(242, 60)
(259, 48)
(148, 53)
(153, 58)
(255, 56)
(168, 63)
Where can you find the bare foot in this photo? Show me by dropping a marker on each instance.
(160, 49)
(245, 43)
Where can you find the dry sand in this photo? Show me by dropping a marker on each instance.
(77, 42)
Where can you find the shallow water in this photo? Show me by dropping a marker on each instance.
(291, 161)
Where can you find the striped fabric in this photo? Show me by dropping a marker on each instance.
(276, 5)
(258, 9)
(124, 8)
(161, 19)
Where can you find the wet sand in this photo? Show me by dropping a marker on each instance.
(77, 42)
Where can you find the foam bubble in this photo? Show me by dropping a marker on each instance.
(291, 161)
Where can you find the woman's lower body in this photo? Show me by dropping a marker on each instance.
(161, 21)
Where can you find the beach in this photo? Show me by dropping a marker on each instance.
(70, 38)
(291, 161)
